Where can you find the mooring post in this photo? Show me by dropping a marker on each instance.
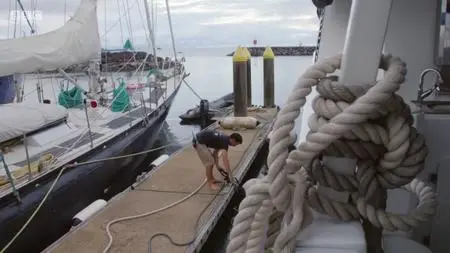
(204, 112)
(249, 77)
(240, 82)
(269, 77)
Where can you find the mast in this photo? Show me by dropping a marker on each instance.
(150, 30)
(171, 30)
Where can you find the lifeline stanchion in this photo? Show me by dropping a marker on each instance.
(59, 176)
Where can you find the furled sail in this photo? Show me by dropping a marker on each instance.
(78, 41)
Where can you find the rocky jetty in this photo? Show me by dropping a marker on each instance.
(282, 51)
(124, 61)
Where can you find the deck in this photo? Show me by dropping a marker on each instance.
(172, 181)
(66, 142)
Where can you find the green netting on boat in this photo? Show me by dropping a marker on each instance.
(71, 98)
(121, 99)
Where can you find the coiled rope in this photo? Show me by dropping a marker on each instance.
(369, 123)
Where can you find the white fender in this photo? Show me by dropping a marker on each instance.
(158, 161)
(88, 211)
(244, 122)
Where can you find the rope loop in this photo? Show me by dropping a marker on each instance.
(368, 124)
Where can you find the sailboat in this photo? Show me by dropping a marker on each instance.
(96, 115)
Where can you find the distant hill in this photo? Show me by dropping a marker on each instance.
(282, 51)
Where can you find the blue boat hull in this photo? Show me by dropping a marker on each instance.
(78, 187)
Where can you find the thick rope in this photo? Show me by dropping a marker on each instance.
(368, 123)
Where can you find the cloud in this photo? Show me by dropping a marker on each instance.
(196, 23)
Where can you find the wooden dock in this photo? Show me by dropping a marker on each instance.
(172, 181)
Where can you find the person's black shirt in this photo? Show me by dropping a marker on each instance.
(213, 139)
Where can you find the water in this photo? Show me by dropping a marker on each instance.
(211, 77)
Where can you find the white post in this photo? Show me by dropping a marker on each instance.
(332, 42)
(362, 50)
(364, 42)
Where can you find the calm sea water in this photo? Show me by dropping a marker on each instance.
(212, 77)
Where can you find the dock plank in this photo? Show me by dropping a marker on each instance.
(175, 179)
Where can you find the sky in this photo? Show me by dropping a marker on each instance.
(196, 23)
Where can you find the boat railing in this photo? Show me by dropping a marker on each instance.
(178, 70)
(10, 177)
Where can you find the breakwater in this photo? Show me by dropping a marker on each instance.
(282, 51)
(123, 61)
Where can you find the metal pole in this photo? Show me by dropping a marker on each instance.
(74, 82)
(171, 29)
(150, 30)
(332, 41)
(150, 95)
(129, 115)
(362, 50)
(11, 180)
(361, 58)
(145, 108)
(25, 143)
(88, 124)
(204, 113)
(38, 89)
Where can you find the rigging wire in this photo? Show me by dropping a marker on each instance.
(15, 18)
(192, 89)
(147, 36)
(26, 16)
(9, 18)
(120, 21)
(130, 29)
(171, 30)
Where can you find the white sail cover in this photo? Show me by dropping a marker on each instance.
(78, 41)
(32, 117)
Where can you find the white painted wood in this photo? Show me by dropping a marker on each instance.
(364, 41)
(332, 42)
